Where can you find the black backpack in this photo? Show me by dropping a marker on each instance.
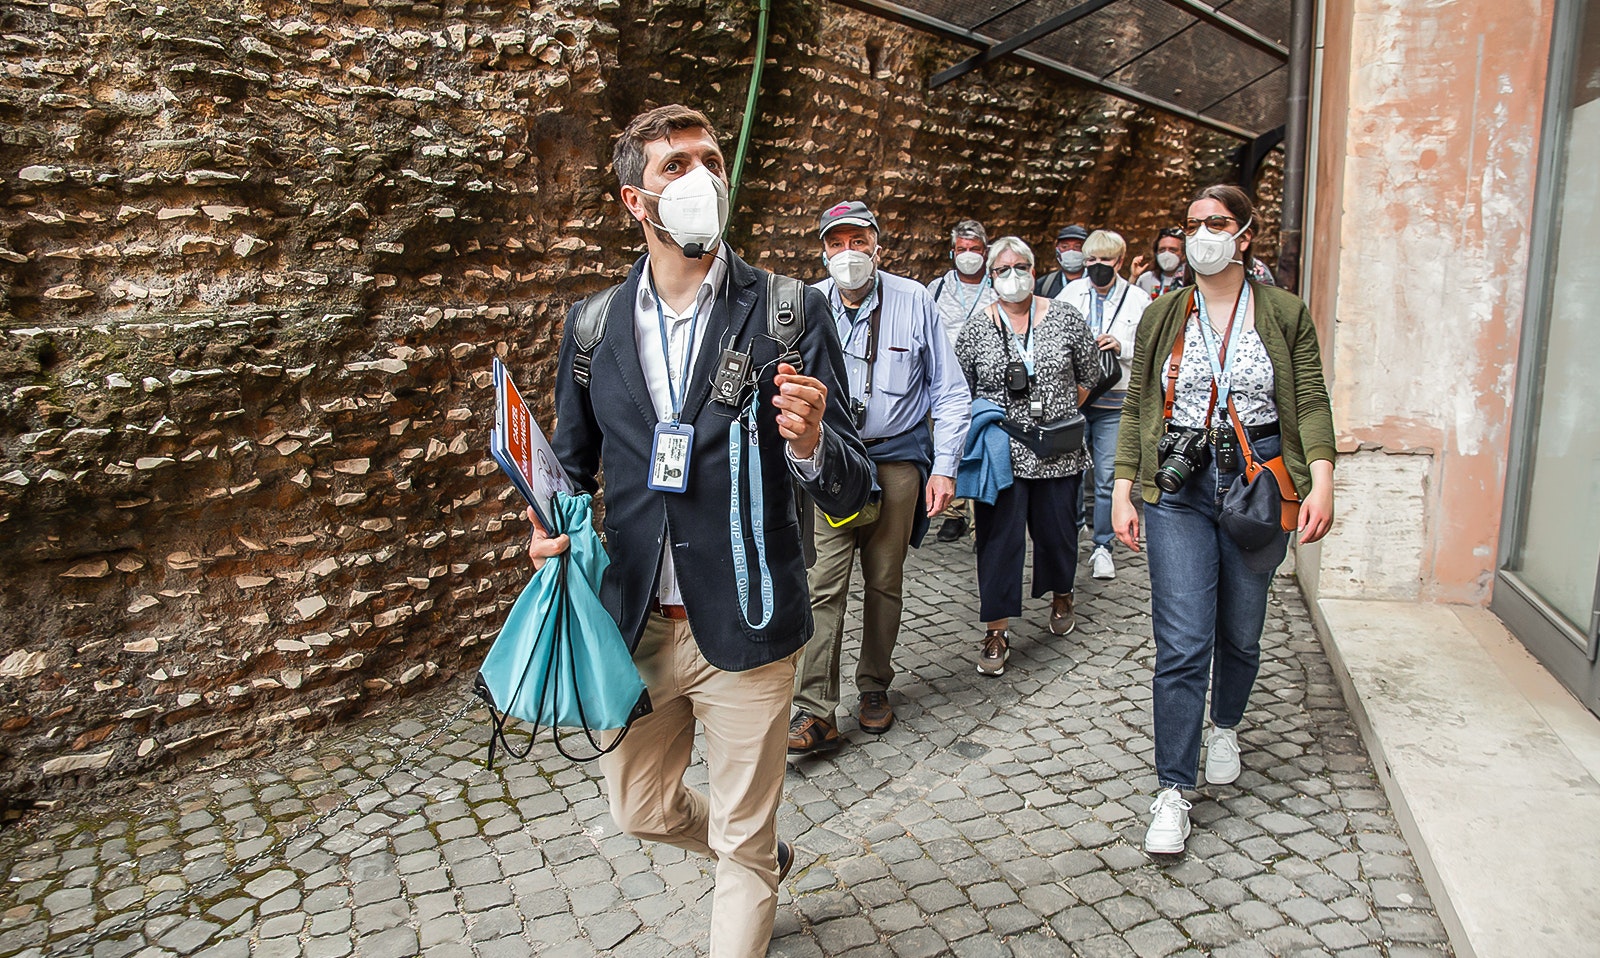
(786, 320)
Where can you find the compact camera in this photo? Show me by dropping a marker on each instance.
(1181, 454)
(858, 413)
(1017, 378)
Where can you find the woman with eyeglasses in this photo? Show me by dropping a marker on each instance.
(1034, 358)
(1247, 350)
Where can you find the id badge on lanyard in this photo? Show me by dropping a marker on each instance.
(669, 457)
(673, 442)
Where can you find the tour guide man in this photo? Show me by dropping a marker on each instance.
(715, 622)
(901, 368)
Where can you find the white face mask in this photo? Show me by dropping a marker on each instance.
(1210, 252)
(968, 262)
(1014, 287)
(1168, 261)
(1071, 260)
(850, 269)
(693, 210)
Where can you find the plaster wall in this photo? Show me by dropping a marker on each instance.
(1423, 238)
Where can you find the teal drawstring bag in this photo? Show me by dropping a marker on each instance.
(559, 660)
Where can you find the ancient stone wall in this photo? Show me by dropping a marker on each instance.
(255, 257)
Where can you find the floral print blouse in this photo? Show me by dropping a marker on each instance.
(1064, 358)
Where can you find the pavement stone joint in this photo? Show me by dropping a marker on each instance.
(998, 817)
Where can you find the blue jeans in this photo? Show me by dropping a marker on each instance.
(1208, 612)
(1102, 435)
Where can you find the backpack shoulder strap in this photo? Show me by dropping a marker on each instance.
(588, 329)
(939, 290)
(786, 315)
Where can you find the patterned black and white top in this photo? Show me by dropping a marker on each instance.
(1251, 375)
(1064, 358)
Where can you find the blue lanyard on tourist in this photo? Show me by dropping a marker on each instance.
(977, 294)
(1097, 305)
(1221, 375)
(1024, 345)
(676, 396)
(758, 516)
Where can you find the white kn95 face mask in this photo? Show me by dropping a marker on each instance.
(693, 210)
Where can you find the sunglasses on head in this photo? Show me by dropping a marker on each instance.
(1215, 224)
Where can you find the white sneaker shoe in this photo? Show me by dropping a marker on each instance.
(1100, 564)
(1222, 756)
(1169, 829)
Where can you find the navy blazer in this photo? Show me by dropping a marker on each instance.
(612, 423)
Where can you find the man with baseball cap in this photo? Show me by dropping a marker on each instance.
(1069, 253)
(900, 368)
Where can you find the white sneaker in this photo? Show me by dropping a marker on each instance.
(1222, 756)
(1100, 564)
(1169, 829)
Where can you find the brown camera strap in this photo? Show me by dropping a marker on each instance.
(1176, 361)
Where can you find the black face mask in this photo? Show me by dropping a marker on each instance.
(1101, 274)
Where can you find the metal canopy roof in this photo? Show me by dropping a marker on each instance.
(1222, 65)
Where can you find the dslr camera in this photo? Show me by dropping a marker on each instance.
(1181, 454)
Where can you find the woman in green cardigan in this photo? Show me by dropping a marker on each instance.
(1256, 348)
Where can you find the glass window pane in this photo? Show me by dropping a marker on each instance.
(1559, 555)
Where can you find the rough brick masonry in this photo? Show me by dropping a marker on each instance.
(255, 258)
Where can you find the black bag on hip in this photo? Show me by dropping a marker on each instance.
(1045, 440)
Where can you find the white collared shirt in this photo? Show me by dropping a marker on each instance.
(657, 368)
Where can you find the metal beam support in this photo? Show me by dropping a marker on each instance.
(1248, 157)
(1045, 28)
(950, 31)
(1291, 222)
(1232, 27)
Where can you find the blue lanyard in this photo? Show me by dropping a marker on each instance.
(1024, 346)
(1098, 303)
(674, 395)
(758, 517)
(977, 294)
(1221, 376)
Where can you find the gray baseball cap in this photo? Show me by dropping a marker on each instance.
(853, 213)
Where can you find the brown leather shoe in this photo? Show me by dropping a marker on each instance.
(1062, 620)
(874, 713)
(785, 859)
(809, 734)
(996, 650)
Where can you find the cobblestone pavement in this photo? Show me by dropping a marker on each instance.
(998, 817)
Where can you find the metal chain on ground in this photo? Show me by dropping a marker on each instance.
(152, 910)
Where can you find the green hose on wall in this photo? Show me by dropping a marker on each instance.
(749, 106)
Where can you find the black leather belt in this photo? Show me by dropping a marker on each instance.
(1253, 432)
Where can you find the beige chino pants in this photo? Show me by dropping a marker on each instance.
(745, 718)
